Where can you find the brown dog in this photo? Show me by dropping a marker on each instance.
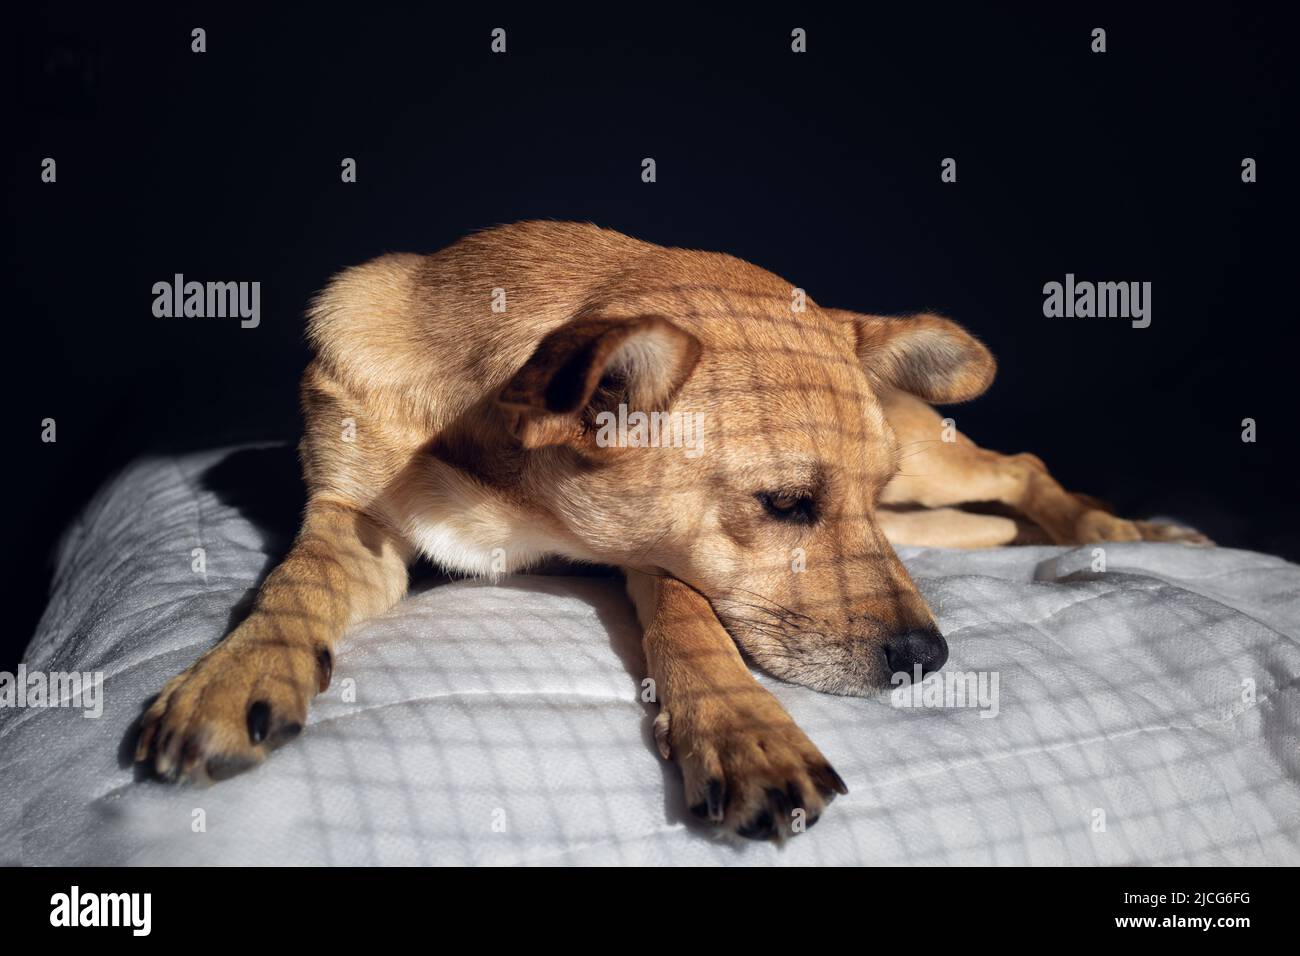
(559, 389)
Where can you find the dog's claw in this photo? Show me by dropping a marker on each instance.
(324, 669)
(717, 800)
(794, 795)
(712, 807)
(144, 742)
(190, 754)
(259, 719)
(162, 756)
(781, 805)
(836, 781)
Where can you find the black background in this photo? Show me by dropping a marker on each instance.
(822, 167)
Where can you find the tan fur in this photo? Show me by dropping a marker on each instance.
(437, 426)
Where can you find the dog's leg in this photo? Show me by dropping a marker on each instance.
(947, 528)
(250, 693)
(744, 761)
(943, 468)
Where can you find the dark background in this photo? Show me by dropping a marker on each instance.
(822, 167)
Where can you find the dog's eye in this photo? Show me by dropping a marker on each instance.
(788, 506)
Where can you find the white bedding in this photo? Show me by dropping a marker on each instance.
(1147, 714)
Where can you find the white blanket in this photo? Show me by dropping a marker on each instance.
(1149, 713)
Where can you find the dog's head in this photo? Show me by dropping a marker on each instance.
(741, 447)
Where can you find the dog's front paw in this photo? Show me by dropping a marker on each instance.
(746, 765)
(222, 715)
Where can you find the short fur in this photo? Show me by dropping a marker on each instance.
(437, 426)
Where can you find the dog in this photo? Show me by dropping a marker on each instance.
(459, 407)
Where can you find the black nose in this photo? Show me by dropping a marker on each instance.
(923, 646)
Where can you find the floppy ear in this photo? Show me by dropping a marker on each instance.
(929, 356)
(642, 361)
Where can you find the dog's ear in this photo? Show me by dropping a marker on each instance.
(642, 360)
(926, 355)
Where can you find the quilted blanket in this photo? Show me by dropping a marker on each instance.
(1134, 705)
